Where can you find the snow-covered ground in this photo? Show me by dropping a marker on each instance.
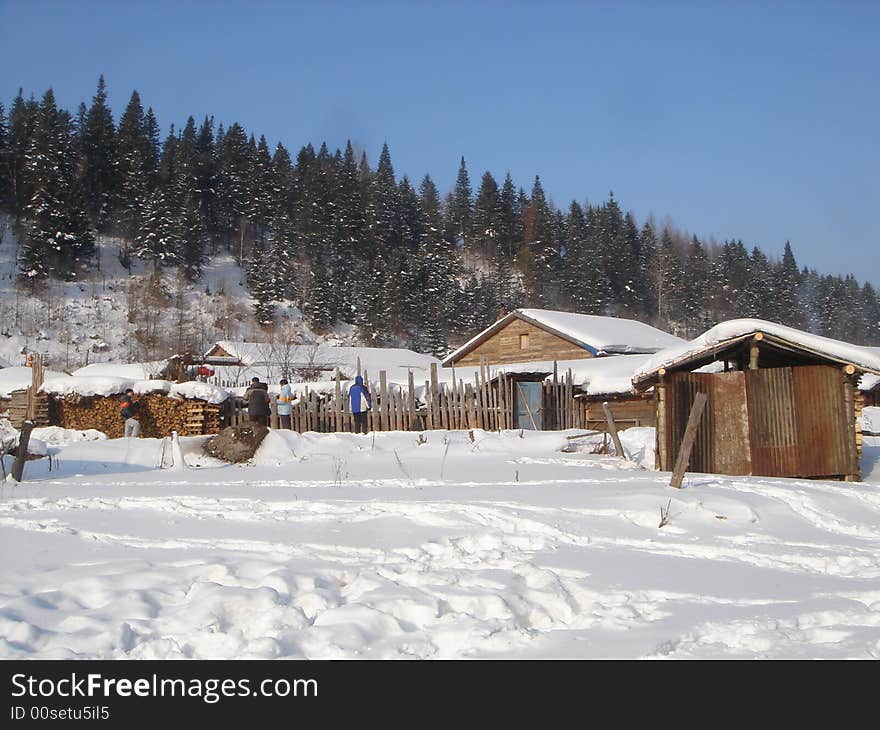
(501, 546)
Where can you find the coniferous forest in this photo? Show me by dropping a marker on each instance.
(345, 240)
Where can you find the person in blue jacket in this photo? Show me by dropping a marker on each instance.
(360, 404)
(283, 406)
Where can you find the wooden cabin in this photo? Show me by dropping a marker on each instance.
(781, 402)
(530, 345)
(534, 335)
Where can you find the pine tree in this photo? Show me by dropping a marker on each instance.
(320, 303)
(647, 264)
(135, 166)
(158, 238)
(261, 199)
(5, 154)
(22, 124)
(382, 211)
(351, 230)
(206, 180)
(539, 256)
(788, 283)
(283, 256)
(582, 275)
(98, 158)
(486, 219)
(668, 275)
(871, 308)
(191, 237)
(696, 291)
(261, 286)
(461, 208)
(58, 238)
(233, 175)
(510, 224)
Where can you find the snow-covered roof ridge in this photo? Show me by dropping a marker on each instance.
(865, 358)
(598, 334)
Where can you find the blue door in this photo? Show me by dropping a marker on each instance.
(528, 405)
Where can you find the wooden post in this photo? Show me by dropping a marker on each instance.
(660, 454)
(434, 402)
(383, 394)
(687, 443)
(337, 388)
(21, 455)
(411, 400)
(612, 429)
(753, 351)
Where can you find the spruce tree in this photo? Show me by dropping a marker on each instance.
(540, 255)
(261, 285)
(135, 170)
(382, 211)
(158, 237)
(58, 238)
(351, 233)
(486, 219)
(788, 283)
(5, 154)
(696, 291)
(22, 124)
(461, 208)
(510, 223)
(98, 158)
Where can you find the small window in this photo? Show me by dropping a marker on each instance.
(523, 342)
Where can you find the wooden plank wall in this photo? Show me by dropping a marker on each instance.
(485, 403)
(504, 347)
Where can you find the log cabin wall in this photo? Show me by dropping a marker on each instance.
(627, 412)
(521, 341)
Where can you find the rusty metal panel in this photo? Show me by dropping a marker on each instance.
(721, 444)
(773, 431)
(823, 434)
(729, 424)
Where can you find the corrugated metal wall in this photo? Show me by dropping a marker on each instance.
(790, 422)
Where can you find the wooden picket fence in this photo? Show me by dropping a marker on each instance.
(486, 403)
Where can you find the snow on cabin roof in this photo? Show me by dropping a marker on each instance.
(599, 335)
(864, 358)
(134, 371)
(394, 361)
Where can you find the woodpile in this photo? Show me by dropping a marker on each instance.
(18, 409)
(158, 414)
(201, 418)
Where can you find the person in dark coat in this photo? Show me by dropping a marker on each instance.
(128, 409)
(361, 404)
(257, 397)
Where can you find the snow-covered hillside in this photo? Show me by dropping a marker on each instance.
(498, 546)
(113, 315)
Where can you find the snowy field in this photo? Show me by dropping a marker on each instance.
(348, 546)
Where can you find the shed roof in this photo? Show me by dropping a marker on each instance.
(596, 334)
(713, 343)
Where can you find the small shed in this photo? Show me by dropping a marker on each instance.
(781, 402)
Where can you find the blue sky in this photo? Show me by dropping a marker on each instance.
(752, 120)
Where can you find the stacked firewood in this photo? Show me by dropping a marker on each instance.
(158, 414)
